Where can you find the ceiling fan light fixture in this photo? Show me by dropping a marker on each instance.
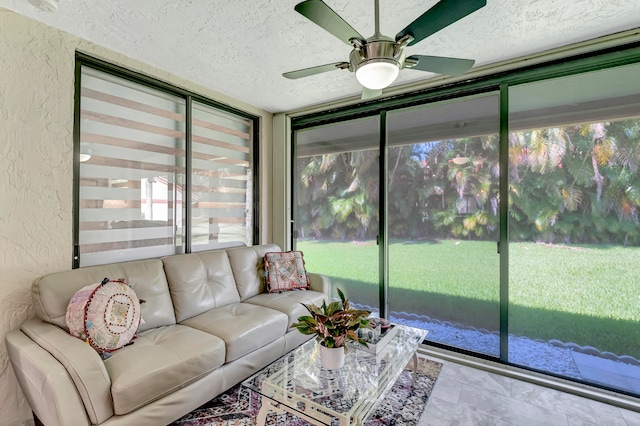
(377, 60)
(377, 74)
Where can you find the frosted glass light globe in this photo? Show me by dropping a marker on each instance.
(377, 75)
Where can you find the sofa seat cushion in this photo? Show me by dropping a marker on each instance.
(159, 362)
(244, 327)
(288, 302)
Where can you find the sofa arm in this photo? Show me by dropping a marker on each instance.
(321, 283)
(45, 383)
(82, 362)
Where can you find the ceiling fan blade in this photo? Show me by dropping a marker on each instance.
(442, 65)
(306, 72)
(321, 14)
(443, 14)
(370, 93)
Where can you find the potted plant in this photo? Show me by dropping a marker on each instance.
(333, 325)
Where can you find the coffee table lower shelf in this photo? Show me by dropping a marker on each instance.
(297, 384)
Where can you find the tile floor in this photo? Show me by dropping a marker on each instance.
(468, 396)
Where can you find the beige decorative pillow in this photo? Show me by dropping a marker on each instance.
(106, 315)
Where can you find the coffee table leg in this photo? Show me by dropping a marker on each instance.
(266, 404)
(262, 414)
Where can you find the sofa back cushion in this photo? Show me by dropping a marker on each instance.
(247, 264)
(200, 282)
(51, 293)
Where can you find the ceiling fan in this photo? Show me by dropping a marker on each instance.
(377, 60)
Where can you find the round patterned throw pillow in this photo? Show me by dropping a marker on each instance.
(106, 315)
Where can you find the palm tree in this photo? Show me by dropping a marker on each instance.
(463, 182)
(337, 195)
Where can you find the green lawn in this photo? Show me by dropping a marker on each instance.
(583, 294)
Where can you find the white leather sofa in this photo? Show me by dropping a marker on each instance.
(209, 324)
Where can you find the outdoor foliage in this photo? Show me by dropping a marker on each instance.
(574, 184)
(336, 196)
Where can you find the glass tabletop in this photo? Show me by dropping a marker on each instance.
(298, 380)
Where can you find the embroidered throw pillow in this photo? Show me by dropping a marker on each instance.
(106, 315)
(285, 271)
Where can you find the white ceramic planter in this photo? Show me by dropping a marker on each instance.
(331, 358)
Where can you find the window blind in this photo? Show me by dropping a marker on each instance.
(221, 179)
(133, 168)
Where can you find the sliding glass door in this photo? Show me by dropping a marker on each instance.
(336, 221)
(574, 183)
(549, 166)
(443, 223)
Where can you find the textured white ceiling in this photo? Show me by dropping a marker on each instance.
(242, 47)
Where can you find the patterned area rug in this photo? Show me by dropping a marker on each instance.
(403, 404)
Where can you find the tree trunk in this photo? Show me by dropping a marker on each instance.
(598, 135)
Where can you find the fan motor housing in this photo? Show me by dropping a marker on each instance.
(376, 49)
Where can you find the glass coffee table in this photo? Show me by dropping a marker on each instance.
(297, 383)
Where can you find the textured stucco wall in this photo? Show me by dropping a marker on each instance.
(36, 169)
